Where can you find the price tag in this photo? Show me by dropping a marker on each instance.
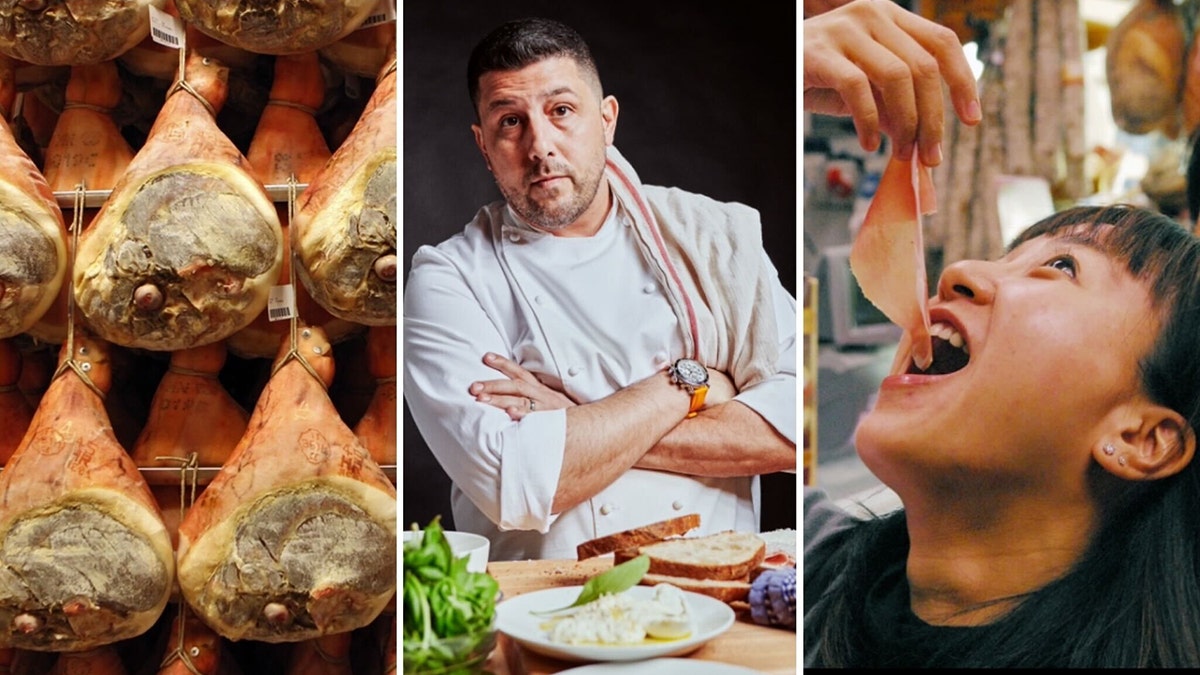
(281, 303)
(384, 12)
(165, 29)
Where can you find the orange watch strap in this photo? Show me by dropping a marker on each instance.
(697, 400)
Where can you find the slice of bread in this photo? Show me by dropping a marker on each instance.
(638, 536)
(727, 555)
(723, 590)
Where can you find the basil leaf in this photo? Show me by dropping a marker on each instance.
(616, 580)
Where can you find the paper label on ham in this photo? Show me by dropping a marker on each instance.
(888, 255)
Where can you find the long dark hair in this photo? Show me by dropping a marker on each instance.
(1133, 598)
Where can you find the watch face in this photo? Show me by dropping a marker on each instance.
(691, 372)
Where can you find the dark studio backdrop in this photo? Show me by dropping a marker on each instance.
(707, 97)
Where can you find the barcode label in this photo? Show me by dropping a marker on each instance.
(281, 303)
(165, 29)
(384, 12)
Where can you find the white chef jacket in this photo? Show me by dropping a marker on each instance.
(587, 314)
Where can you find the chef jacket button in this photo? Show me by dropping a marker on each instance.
(677, 505)
(538, 299)
(573, 371)
(649, 288)
(660, 359)
(606, 509)
(514, 237)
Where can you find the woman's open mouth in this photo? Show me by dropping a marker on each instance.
(950, 351)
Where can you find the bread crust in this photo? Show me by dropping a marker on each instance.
(727, 555)
(638, 536)
(724, 590)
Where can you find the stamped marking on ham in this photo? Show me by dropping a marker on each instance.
(72, 574)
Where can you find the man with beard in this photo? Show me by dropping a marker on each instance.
(592, 354)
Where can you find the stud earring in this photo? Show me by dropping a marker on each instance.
(1110, 449)
(1121, 460)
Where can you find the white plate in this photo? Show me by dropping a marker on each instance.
(710, 618)
(662, 667)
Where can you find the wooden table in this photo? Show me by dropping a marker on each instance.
(770, 650)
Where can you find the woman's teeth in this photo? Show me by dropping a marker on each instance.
(949, 334)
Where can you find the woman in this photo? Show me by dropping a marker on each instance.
(1051, 505)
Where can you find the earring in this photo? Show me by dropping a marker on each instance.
(1110, 449)
(1121, 460)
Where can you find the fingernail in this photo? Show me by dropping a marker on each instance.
(937, 154)
(484, 398)
(974, 113)
(489, 357)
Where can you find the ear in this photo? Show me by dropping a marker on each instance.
(1150, 442)
(478, 131)
(608, 113)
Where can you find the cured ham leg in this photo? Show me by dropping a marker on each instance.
(365, 52)
(345, 227)
(295, 537)
(86, 149)
(276, 27)
(376, 429)
(98, 661)
(33, 238)
(888, 255)
(288, 142)
(185, 250)
(85, 558)
(192, 649)
(70, 32)
(15, 411)
(191, 412)
(326, 655)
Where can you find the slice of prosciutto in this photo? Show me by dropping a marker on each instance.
(888, 255)
(271, 27)
(186, 248)
(33, 237)
(295, 537)
(72, 32)
(289, 143)
(86, 148)
(86, 560)
(344, 232)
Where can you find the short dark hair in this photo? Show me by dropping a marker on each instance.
(516, 44)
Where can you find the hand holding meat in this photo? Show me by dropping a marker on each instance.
(884, 66)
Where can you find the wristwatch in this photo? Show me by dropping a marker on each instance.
(691, 376)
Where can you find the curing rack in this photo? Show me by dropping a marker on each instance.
(278, 193)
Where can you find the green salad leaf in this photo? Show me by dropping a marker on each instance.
(443, 600)
(616, 580)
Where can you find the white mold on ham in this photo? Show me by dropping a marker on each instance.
(272, 27)
(72, 32)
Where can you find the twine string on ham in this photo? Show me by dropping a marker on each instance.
(292, 104)
(184, 85)
(293, 352)
(193, 373)
(180, 653)
(70, 363)
(76, 105)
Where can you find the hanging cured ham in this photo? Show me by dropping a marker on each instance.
(295, 537)
(325, 655)
(72, 32)
(376, 429)
(99, 661)
(192, 649)
(276, 27)
(33, 238)
(86, 559)
(185, 250)
(288, 143)
(88, 150)
(365, 52)
(888, 255)
(345, 227)
(15, 411)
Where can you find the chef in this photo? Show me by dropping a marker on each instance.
(592, 354)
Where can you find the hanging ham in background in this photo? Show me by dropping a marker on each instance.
(288, 143)
(365, 52)
(888, 255)
(33, 238)
(276, 27)
(99, 661)
(325, 655)
(376, 429)
(72, 32)
(295, 537)
(86, 149)
(345, 227)
(15, 411)
(192, 648)
(1144, 65)
(185, 249)
(86, 559)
